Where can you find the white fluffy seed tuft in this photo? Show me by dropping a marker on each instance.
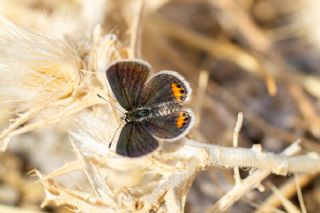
(35, 69)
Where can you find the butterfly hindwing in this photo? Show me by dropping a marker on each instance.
(171, 126)
(166, 86)
(135, 141)
(127, 79)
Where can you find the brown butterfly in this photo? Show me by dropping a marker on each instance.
(154, 106)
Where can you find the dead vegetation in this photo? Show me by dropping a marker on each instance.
(260, 58)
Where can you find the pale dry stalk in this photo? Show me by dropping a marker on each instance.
(288, 189)
(235, 144)
(247, 184)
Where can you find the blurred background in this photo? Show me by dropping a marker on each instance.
(259, 57)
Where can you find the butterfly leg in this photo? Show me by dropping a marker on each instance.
(114, 135)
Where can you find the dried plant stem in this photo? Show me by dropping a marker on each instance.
(312, 85)
(254, 36)
(136, 30)
(163, 46)
(306, 109)
(203, 84)
(228, 51)
(83, 162)
(248, 29)
(235, 144)
(70, 197)
(72, 108)
(299, 193)
(68, 167)
(286, 203)
(21, 119)
(97, 183)
(12, 209)
(241, 157)
(220, 49)
(259, 122)
(259, 42)
(288, 190)
(247, 184)
(172, 202)
(176, 182)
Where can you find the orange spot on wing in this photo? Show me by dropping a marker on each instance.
(182, 120)
(178, 91)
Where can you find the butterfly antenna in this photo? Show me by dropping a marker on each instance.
(110, 103)
(114, 135)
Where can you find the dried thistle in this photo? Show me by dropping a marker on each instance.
(36, 69)
(40, 74)
(62, 81)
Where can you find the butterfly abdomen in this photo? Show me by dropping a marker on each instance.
(142, 113)
(166, 109)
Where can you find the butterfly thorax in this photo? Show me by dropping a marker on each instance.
(138, 114)
(141, 113)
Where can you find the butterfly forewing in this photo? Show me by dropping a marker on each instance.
(166, 86)
(171, 126)
(135, 141)
(127, 79)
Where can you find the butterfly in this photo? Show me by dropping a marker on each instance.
(153, 107)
